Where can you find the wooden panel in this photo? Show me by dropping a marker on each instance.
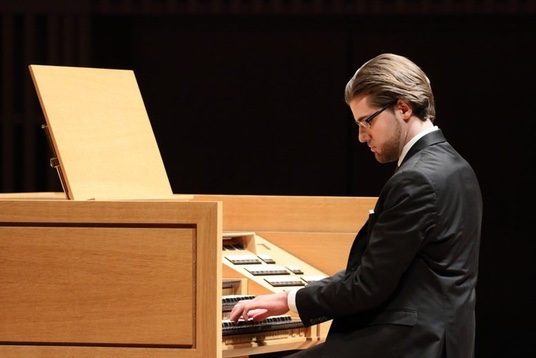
(97, 285)
(18, 351)
(293, 213)
(334, 247)
(101, 133)
(110, 278)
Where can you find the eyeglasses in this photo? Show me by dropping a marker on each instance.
(365, 123)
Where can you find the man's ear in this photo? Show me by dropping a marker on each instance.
(405, 109)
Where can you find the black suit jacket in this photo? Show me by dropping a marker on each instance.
(409, 286)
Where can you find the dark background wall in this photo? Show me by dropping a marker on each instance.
(251, 102)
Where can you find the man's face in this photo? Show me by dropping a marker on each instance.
(384, 133)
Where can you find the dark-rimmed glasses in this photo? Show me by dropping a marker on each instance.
(365, 123)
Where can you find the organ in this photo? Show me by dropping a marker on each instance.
(144, 278)
(118, 265)
(313, 234)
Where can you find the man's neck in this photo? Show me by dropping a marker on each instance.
(416, 131)
(417, 126)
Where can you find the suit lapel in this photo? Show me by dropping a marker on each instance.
(426, 141)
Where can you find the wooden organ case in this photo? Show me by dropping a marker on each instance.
(109, 278)
(119, 266)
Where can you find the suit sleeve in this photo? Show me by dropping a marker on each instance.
(404, 214)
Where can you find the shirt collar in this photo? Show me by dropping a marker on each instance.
(413, 140)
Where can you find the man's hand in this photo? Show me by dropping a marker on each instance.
(261, 307)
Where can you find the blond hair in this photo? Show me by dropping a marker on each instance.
(389, 77)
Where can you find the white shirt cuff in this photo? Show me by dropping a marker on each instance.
(291, 300)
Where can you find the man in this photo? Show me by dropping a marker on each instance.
(408, 289)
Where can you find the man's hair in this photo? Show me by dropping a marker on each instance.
(388, 77)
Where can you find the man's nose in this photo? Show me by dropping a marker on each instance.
(362, 134)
